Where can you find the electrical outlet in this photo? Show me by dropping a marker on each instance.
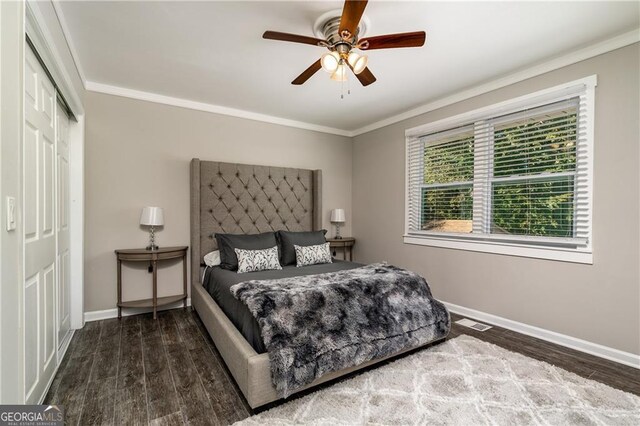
(11, 213)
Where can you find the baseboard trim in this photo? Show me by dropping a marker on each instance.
(113, 313)
(596, 349)
(591, 348)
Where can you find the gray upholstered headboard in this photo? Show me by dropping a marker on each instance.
(247, 199)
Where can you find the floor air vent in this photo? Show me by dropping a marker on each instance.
(472, 324)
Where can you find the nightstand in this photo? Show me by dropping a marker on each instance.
(345, 243)
(153, 257)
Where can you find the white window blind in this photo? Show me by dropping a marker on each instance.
(518, 175)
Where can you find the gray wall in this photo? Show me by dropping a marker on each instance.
(137, 154)
(599, 302)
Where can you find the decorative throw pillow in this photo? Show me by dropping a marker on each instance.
(312, 255)
(287, 239)
(228, 242)
(257, 260)
(213, 258)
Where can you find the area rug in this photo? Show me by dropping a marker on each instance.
(463, 381)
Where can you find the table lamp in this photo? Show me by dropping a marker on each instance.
(337, 218)
(152, 217)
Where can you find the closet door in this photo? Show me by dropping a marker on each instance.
(62, 201)
(39, 177)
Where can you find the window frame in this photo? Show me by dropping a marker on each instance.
(553, 249)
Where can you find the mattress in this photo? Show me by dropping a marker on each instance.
(218, 281)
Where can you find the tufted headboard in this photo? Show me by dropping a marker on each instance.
(247, 199)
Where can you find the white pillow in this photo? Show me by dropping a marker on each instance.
(258, 260)
(312, 255)
(212, 259)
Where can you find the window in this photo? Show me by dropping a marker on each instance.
(513, 178)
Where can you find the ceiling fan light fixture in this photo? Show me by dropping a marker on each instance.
(330, 61)
(358, 62)
(340, 74)
(341, 32)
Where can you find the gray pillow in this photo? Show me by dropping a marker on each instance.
(287, 239)
(227, 243)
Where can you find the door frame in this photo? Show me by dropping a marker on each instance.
(41, 37)
(11, 242)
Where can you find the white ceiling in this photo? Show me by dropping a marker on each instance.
(212, 52)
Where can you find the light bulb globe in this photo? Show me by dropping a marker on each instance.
(340, 74)
(330, 61)
(360, 64)
(353, 58)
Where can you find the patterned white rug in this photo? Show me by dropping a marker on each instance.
(463, 381)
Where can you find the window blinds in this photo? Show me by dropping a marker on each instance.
(518, 176)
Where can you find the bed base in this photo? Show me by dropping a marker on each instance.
(250, 369)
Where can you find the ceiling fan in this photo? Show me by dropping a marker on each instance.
(341, 38)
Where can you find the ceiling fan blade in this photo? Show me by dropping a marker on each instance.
(392, 41)
(306, 74)
(351, 15)
(365, 77)
(294, 38)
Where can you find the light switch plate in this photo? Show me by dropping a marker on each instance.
(11, 213)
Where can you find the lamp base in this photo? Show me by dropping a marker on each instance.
(152, 239)
(338, 236)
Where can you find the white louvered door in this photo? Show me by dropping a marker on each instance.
(39, 216)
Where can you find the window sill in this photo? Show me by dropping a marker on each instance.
(509, 249)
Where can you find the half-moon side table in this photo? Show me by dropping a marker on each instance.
(346, 243)
(153, 257)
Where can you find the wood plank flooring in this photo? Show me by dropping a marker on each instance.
(138, 371)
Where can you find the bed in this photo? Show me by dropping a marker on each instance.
(249, 199)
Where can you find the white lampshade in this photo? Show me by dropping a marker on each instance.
(337, 216)
(152, 216)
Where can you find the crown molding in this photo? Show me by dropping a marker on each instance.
(216, 109)
(614, 43)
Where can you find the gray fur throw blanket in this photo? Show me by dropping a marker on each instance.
(312, 325)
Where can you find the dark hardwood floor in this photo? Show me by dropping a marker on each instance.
(165, 372)
(138, 371)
